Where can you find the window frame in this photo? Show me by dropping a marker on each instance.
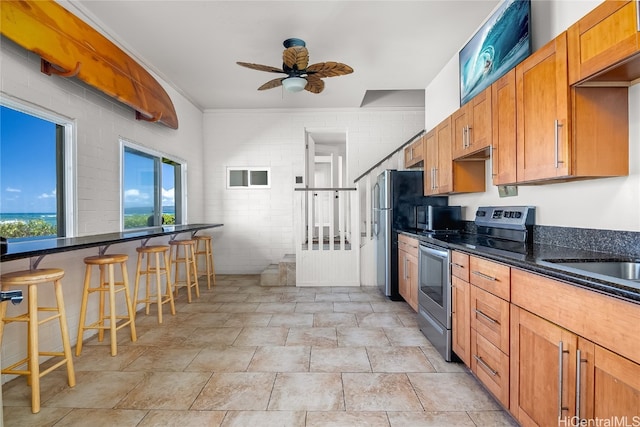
(68, 186)
(249, 186)
(180, 182)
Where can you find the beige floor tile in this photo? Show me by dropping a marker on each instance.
(352, 307)
(291, 319)
(275, 307)
(432, 419)
(492, 418)
(320, 337)
(307, 392)
(379, 392)
(239, 391)
(165, 390)
(271, 298)
(398, 359)
(332, 297)
(334, 319)
(96, 390)
(21, 416)
(297, 298)
(257, 336)
(199, 306)
(314, 307)
(392, 306)
(247, 319)
(438, 362)
(381, 320)
(406, 336)
(446, 391)
(159, 336)
(361, 337)
(182, 418)
(365, 297)
(280, 359)
(206, 319)
(102, 418)
(347, 419)
(341, 359)
(230, 296)
(409, 320)
(264, 419)
(170, 359)
(222, 359)
(238, 307)
(207, 337)
(93, 358)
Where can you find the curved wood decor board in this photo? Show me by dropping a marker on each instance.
(62, 39)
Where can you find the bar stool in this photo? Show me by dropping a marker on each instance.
(157, 269)
(31, 279)
(188, 259)
(205, 250)
(107, 285)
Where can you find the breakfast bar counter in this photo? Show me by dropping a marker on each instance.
(38, 248)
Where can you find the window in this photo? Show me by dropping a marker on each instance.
(248, 178)
(35, 172)
(152, 192)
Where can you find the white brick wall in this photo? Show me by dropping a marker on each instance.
(258, 223)
(100, 121)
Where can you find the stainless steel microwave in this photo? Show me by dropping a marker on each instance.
(438, 218)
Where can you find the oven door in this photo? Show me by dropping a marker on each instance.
(434, 292)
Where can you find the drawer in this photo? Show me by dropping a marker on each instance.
(491, 276)
(408, 244)
(460, 265)
(490, 318)
(491, 367)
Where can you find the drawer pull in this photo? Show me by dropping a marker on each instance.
(495, 322)
(485, 366)
(455, 264)
(484, 276)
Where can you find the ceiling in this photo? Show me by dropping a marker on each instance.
(395, 47)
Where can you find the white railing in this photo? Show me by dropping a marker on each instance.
(326, 221)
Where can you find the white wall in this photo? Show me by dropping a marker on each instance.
(258, 224)
(610, 203)
(100, 121)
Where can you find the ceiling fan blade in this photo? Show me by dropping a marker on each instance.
(271, 84)
(329, 69)
(296, 57)
(259, 67)
(314, 84)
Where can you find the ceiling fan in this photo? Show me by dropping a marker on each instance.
(300, 75)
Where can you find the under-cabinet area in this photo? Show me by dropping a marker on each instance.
(547, 350)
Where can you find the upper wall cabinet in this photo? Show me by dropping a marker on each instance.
(567, 133)
(503, 144)
(414, 153)
(605, 44)
(472, 127)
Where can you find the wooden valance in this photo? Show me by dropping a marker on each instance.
(71, 48)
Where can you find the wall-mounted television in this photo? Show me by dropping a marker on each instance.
(499, 45)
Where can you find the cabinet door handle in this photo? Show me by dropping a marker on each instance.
(435, 177)
(469, 136)
(490, 319)
(464, 137)
(406, 275)
(556, 141)
(485, 366)
(579, 362)
(484, 276)
(455, 264)
(561, 353)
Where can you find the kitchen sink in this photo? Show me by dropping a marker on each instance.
(620, 269)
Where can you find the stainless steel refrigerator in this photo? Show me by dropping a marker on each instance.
(395, 196)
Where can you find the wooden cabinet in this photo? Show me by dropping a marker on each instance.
(490, 276)
(605, 44)
(472, 127)
(567, 133)
(408, 270)
(441, 174)
(574, 352)
(414, 153)
(460, 316)
(503, 142)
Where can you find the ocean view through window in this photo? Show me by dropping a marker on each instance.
(152, 188)
(33, 147)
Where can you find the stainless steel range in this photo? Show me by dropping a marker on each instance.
(504, 230)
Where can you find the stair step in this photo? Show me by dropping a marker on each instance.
(270, 276)
(281, 274)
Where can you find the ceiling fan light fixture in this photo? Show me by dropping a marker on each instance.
(294, 84)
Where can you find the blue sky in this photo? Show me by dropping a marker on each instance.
(27, 163)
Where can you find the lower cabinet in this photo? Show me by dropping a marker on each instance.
(460, 324)
(408, 270)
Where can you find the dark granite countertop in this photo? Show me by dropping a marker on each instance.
(40, 247)
(535, 259)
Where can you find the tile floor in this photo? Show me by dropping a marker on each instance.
(246, 355)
